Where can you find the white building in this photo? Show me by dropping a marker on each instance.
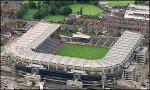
(137, 12)
(141, 57)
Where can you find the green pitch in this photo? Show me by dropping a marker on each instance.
(55, 18)
(89, 10)
(120, 2)
(80, 51)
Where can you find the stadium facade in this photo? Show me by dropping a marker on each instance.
(23, 52)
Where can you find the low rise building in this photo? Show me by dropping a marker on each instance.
(141, 57)
(137, 12)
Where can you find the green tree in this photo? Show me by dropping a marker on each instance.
(32, 4)
(19, 14)
(61, 11)
(83, 1)
(81, 11)
(53, 10)
(39, 4)
(62, 3)
(67, 10)
(46, 2)
(42, 12)
(37, 16)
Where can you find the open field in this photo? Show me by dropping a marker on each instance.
(29, 14)
(55, 18)
(80, 51)
(90, 10)
(119, 3)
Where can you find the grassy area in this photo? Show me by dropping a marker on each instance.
(90, 10)
(79, 51)
(29, 14)
(55, 18)
(119, 2)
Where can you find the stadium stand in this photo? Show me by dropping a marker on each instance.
(67, 39)
(102, 41)
(49, 46)
(116, 58)
(94, 41)
(109, 42)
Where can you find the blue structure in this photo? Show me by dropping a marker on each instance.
(67, 76)
(48, 46)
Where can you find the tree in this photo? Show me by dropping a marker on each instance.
(37, 16)
(46, 2)
(67, 10)
(61, 11)
(19, 14)
(63, 3)
(53, 10)
(81, 11)
(32, 4)
(39, 4)
(42, 12)
(83, 1)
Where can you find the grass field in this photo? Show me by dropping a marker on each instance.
(79, 51)
(55, 18)
(29, 14)
(119, 2)
(90, 10)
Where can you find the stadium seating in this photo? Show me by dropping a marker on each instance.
(91, 77)
(49, 46)
(109, 42)
(69, 76)
(94, 41)
(67, 39)
(23, 68)
(101, 41)
(58, 74)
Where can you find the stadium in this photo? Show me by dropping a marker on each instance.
(68, 59)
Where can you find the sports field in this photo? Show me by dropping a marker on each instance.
(80, 51)
(55, 18)
(89, 10)
(120, 3)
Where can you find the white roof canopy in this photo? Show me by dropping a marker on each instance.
(80, 35)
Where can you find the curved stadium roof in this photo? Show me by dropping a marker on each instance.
(118, 54)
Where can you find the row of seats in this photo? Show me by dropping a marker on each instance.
(96, 41)
(103, 41)
(82, 40)
(67, 39)
(110, 42)
(49, 46)
(58, 74)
